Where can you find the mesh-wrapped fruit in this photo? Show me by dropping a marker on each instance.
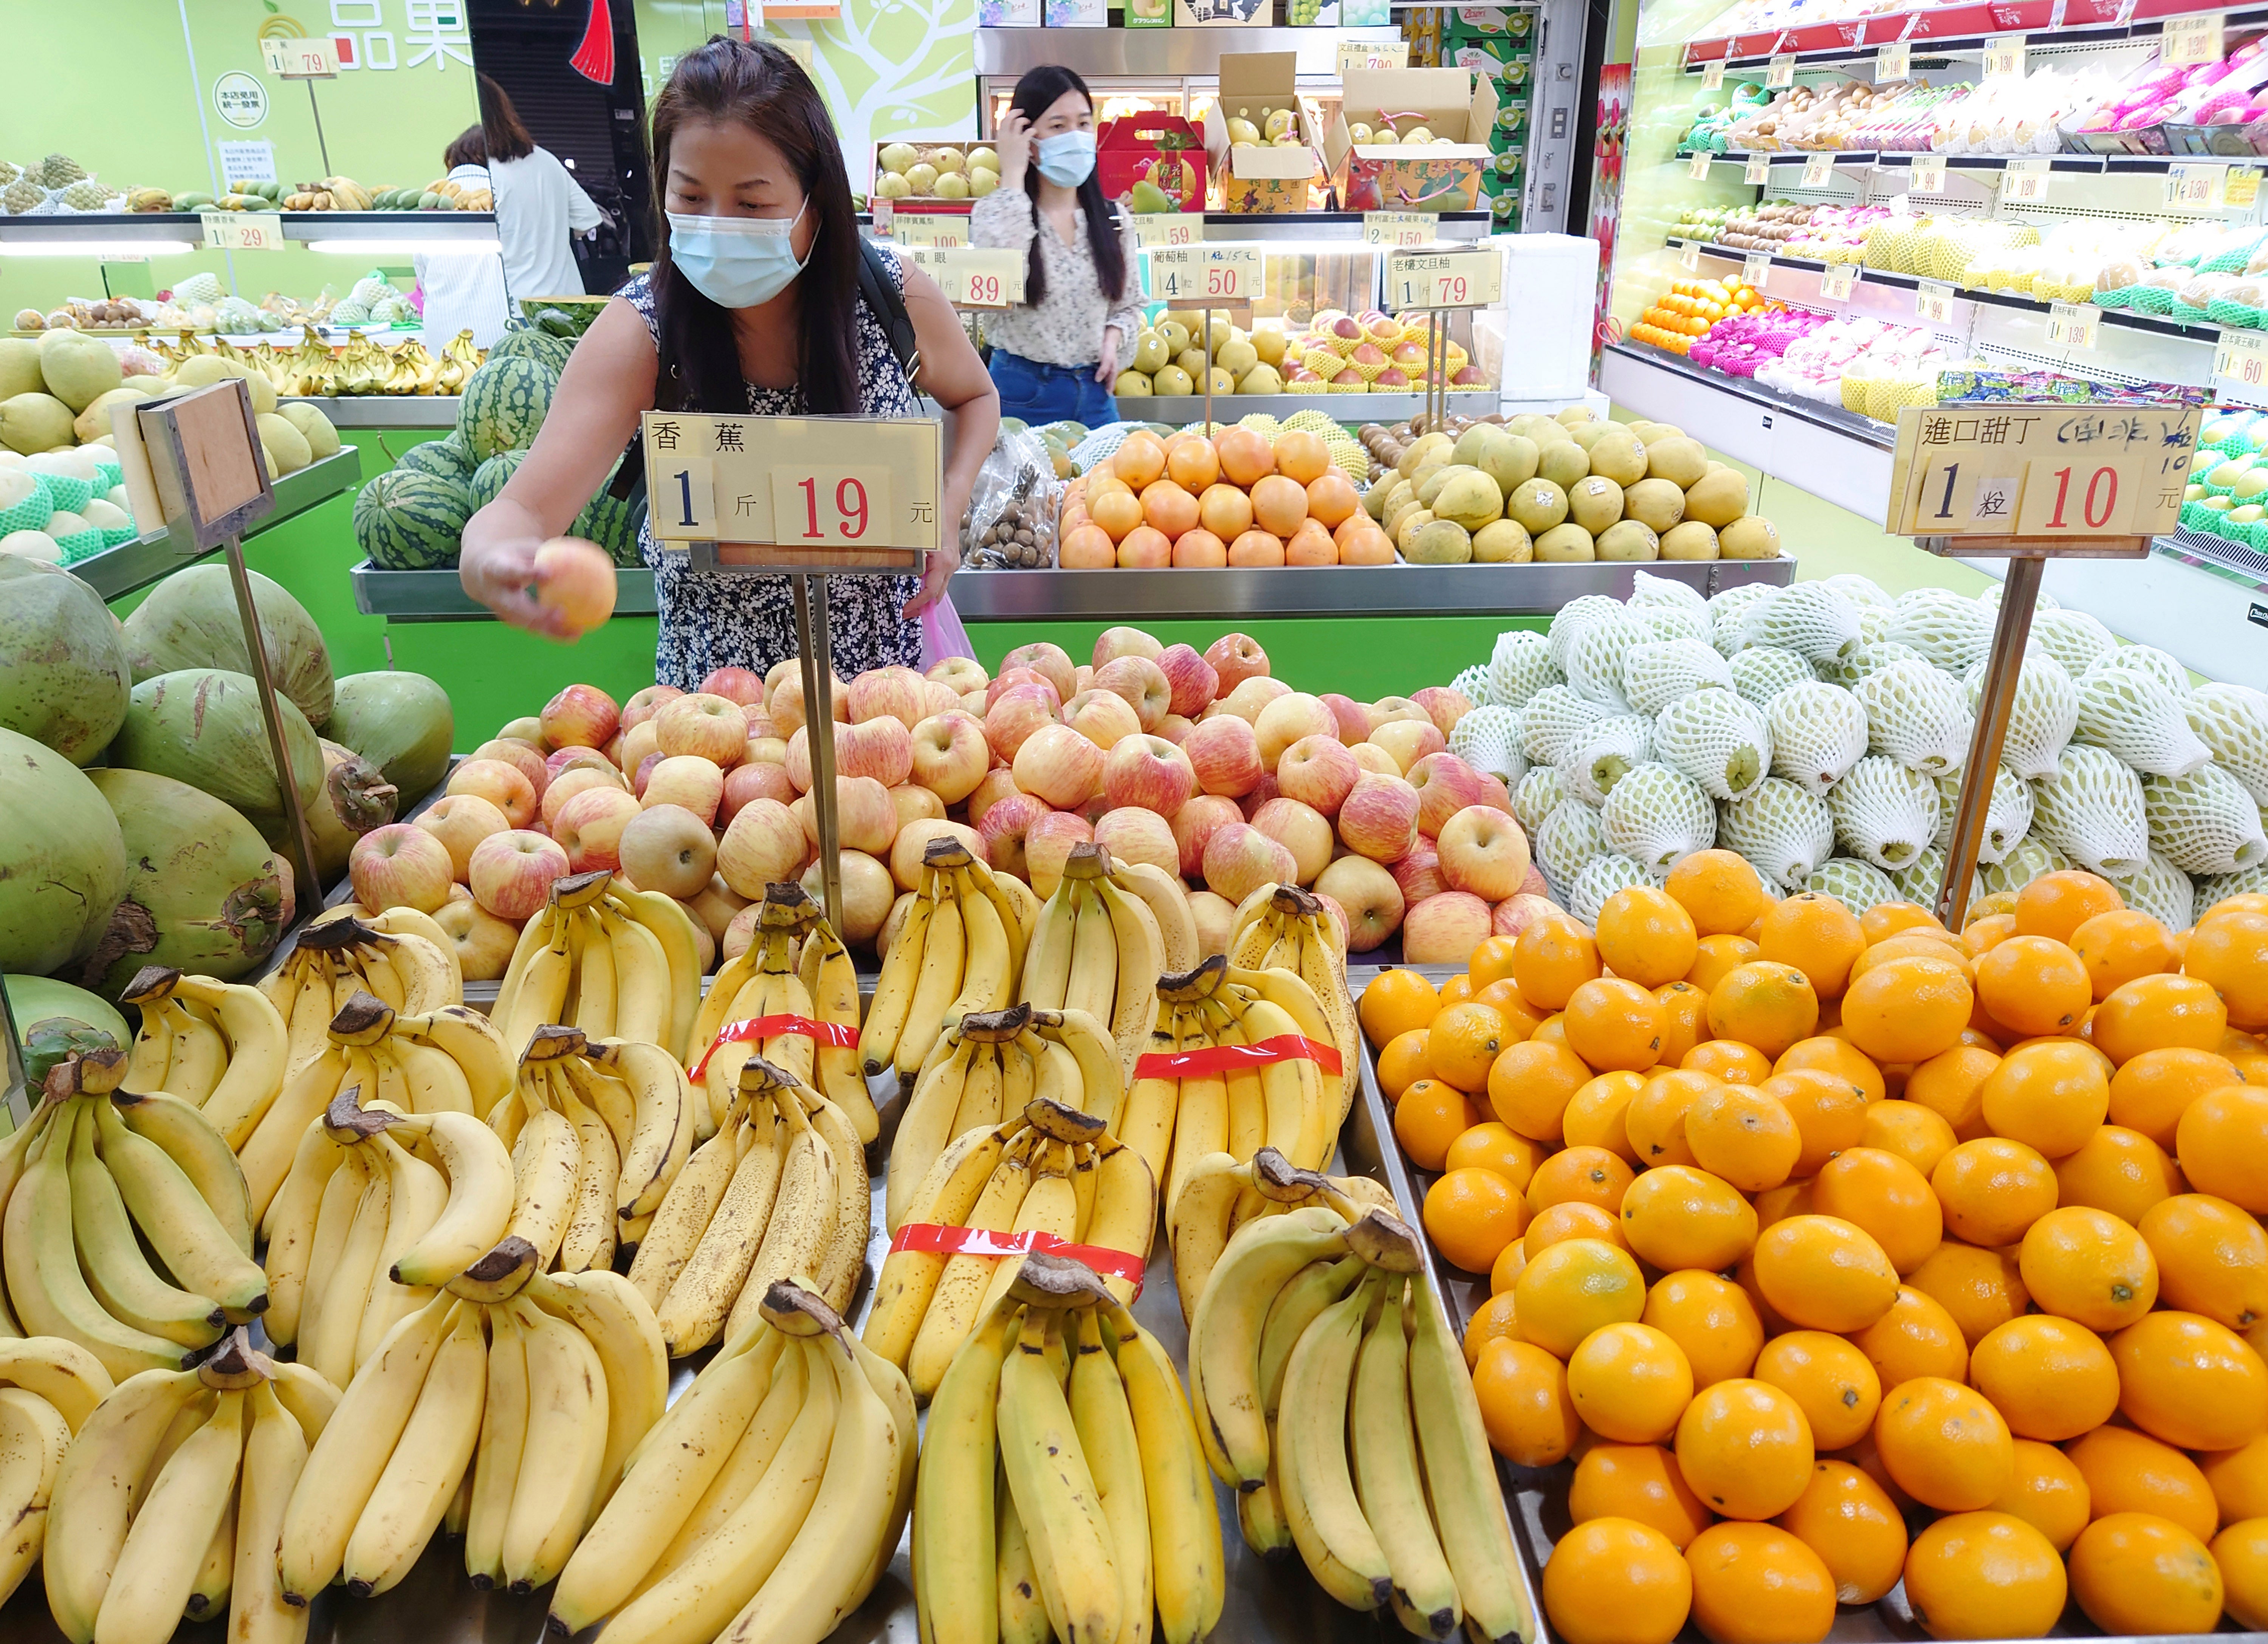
(2151, 661)
(1990, 599)
(87, 194)
(1655, 595)
(1863, 592)
(1874, 625)
(1782, 831)
(1673, 622)
(1818, 731)
(1573, 618)
(1488, 739)
(1950, 630)
(2091, 810)
(1920, 880)
(1658, 672)
(2232, 720)
(1570, 836)
(1595, 653)
(1554, 717)
(2159, 889)
(2042, 716)
(2074, 638)
(2252, 881)
(1600, 755)
(1716, 738)
(1599, 879)
(1916, 715)
(2008, 814)
(60, 171)
(2204, 822)
(1760, 672)
(1536, 796)
(2021, 866)
(1728, 615)
(1884, 811)
(1857, 885)
(1521, 666)
(22, 195)
(1808, 618)
(1473, 684)
(1658, 816)
(2134, 715)
(1872, 657)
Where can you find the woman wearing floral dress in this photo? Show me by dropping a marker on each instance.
(754, 306)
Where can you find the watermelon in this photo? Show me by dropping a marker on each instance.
(528, 343)
(608, 523)
(444, 459)
(488, 478)
(406, 521)
(504, 405)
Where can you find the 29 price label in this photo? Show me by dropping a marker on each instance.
(241, 231)
(828, 507)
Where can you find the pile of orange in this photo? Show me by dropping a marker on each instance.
(1690, 308)
(1236, 498)
(1797, 1223)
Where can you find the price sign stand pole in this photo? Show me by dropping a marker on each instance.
(2002, 664)
(815, 652)
(321, 147)
(1437, 368)
(15, 1087)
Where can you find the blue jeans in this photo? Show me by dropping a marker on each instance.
(1041, 393)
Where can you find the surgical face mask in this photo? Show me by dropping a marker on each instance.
(1067, 158)
(735, 261)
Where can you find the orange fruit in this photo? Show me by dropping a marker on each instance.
(1675, 1217)
(1645, 935)
(1817, 935)
(1951, 1085)
(1985, 1576)
(2242, 1553)
(1886, 919)
(2118, 946)
(1923, 943)
(1978, 1288)
(2222, 1142)
(1116, 513)
(1745, 1449)
(2033, 984)
(2119, 1170)
(1908, 1009)
(1855, 1527)
(1519, 1020)
(1551, 960)
(1530, 1085)
(2133, 1571)
(1944, 1443)
(1140, 460)
(1684, 1019)
(1655, 1123)
(2228, 952)
(1764, 1004)
(2050, 1096)
(1525, 1409)
(1614, 1024)
(2190, 1382)
(1917, 1337)
(1462, 1045)
(2239, 1478)
(1300, 455)
(1458, 989)
(1728, 1059)
(1630, 1382)
(1915, 1133)
(1831, 1381)
(1744, 1136)
(1192, 463)
(2213, 1259)
(2128, 1472)
(1839, 1057)
(2152, 1091)
(2089, 1266)
(2050, 1378)
(1593, 1115)
(1821, 1273)
(1506, 1272)
(1992, 1191)
(2242, 902)
(1401, 1064)
(1885, 1197)
(1492, 960)
(1168, 508)
(1586, 1175)
(1830, 1113)
(1494, 1147)
(1715, 956)
(2156, 1012)
(1394, 1002)
(1429, 1119)
(1245, 455)
(1778, 1203)
(1571, 1219)
(1615, 1581)
(1757, 1584)
(1492, 1322)
(1636, 1481)
(2058, 903)
(1552, 1029)
(1573, 1287)
(1984, 932)
(2047, 1492)
(1719, 890)
(1471, 1215)
(1711, 1319)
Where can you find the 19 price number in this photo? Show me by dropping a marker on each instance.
(829, 508)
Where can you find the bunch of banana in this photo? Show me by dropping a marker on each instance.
(381, 1207)
(219, 1046)
(597, 1133)
(447, 1060)
(987, 1066)
(798, 967)
(506, 1406)
(169, 1504)
(49, 1386)
(126, 1229)
(1224, 1192)
(460, 359)
(1335, 1400)
(1063, 1486)
(1099, 948)
(619, 964)
(780, 1191)
(1284, 927)
(399, 956)
(1293, 1103)
(959, 949)
(1048, 1171)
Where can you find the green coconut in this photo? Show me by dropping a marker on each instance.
(63, 670)
(203, 893)
(203, 727)
(34, 1001)
(62, 863)
(190, 620)
(402, 723)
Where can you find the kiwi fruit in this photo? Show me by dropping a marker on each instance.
(1595, 502)
(1537, 505)
(1627, 539)
(1565, 544)
(1503, 543)
(1618, 457)
(1690, 539)
(1656, 504)
(1717, 499)
(1680, 461)
(1563, 462)
(1751, 536)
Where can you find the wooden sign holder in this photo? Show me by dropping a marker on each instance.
(15, 1087)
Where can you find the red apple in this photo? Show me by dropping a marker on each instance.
(1444, 930)
(976, 701)
(938, 699)
(1389, 709)
(561, 761)
(1215, 916)
(1141, 682)
(1408, 740)
(1007, 821)
(740, 934)
(763, 747)
(1515, 913)
(1353, 719)
(1263, 790)
(1445, 785)
(1102, 716)
(1303, 830)
(996, 784)
(1318, 772)
(959, 675)
(893, 692)
(1369, 897)
(520, 757)
(742, 685)
(749, 781)
(1190, 678)
(714, 727)
(1239, 859)
(1236, 657)
(916, 803)
(643, 704)
(1336, 917)
(1113, 643)
(566, 787)
(763, 846)
(582, 715)
(576, 582)
(528, 729)
(1015, 714)
(1375, 759)
(1012, 676)
(786, 705)
(1224, 754)
(1248, 698)
(1194, 824)
(1052, 660)
(1134, 834)
(1173, 728)
(634, 747)
(1378, 818)
(644, 774)
(1060, 765)
(505, 786)
(1446, 706)
(460, 822)
(1150, 772)
(1046, 847)
(590, 826)
(1289, 718)
(715, 905)
(1418, 875)
(400, 866)
(779, 673)
(511, 873)
(865, 816)
(914, 837)
(949, 755)
(689, 780)
(867, 894)
(669, 849)
(1484, 850)
(882, 748)
(483, 942)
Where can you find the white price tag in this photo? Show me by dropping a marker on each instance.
(1470, 278)
(1372, 54)
(973, 276)
(1901, 204)
(1168, 228)
(1207, 274)
(2026, 180)
(1755, 268)
(2240, 367)
(1928, 174)
(1818, 170)
(1400, 229)
(301, 59)
(1689, 259)
(1758, 169)
(2003, 56)
(1836, 283)
(1933, 303)
(1698, 170)
(241, 231)
(1713, 74)
(1891, 61)
(2193, 39)
(929, 228)
(2196, 185)
(1781, 73)
(2074, 325)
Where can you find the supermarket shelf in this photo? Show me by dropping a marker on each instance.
(387, 410)
(1952, 29)
(1370, 408)
(134, 564)
(126, 228)
(436, 596)
(1233, 227)
(1193, 53)
(1899, 160)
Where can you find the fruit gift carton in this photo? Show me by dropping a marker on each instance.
(1258, 136)
(1410, 139)
(934, 173)
(1149, 151)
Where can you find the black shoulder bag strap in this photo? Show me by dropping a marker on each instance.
(887, 303)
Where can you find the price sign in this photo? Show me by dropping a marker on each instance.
(2197, 186)
(2041, 470)
(1400, 229)
(2193, 39)
(1755, 268)
(1836, 283)
(1168, 228)
(1781, 73)
(1933, 303)
(1372, 54)
(1713, 74)
(2074, 325)
(1901, 205)
(1689, 259)
(1928, 174)
(2240, 368)
(1446, 279)
(1758, 169)
(2025, 180)
(974, 277)
(1818, 170)
(1209, 274)
(241, 231)
(929, 228)
(1891, 61)
(301, 59)
(779, 483)
(2004, 57)
(1699, 169)
(2240, 187)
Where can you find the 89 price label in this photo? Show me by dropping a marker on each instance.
(828, 507)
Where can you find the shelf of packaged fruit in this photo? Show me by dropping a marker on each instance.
(1943, 29)
(1341, 229)
(131, 565)
(1354, 409)
(436, 596)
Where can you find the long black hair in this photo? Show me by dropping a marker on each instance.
(1035, 93)
(765, 89)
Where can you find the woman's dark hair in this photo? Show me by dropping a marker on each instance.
(501, 135)
(760, 86)
(1035, 93)
(467, 148)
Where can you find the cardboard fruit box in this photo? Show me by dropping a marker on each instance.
(1455, 104)
(1164, 150)
(1265, 177)
(942, 156)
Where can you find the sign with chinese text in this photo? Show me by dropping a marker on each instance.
(1372, 54)
(250, 160)
(1780, 74)
(2014, 470)
(974, 277)
(241, 231)
(1928, 175)
(1818, 170)
(1835, 285)
(1755, 268)
(2193, 39)
(1698, 170)
(1890, 62)
(2240, 368)
(241, 99)
(2197, 186)
(300, 58)
(1758, 169)
(1713, 74)
(1205, 274)
(783, 482)
(1471, 278)
(1168, 228)
(1933, 303)
(1400, 230)
(2074, 325)
(2025, 181)
(2004, 57)
(1691, 257)
(929, 228)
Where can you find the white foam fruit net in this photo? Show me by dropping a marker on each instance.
(2021, 866)
(1808, 618)
(1600, 755)
(1646, 588)
(2151, 661)
(1520, 667)
(2159, 889)
(1554, 717)
(2042, 716)
(1571, 618)
(2074, 638)
(1716, 738)
(1473, 685)
(1818, 731)
(1920, 880)
(2252, 881)
(1762, 672)
(1488, 739)
(1872, 657)
(2232, 720)
(1916, 715)
(1884, 811)
(1658, 672)
(1863, 592)
(1658, 816)
(1779, 829)
(2091, 810)
(1538, 792)
(1595, 657)
(1675, 621)
(1949, 628)
(1600, 878)
(2204, 822)
(2136, 716)
(1728, 615)
(1857, 885)
(1990, 599)
(1569, 837)
(1874, 625)
(2008, 814)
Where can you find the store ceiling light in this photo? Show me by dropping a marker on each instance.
(115, 250)
(402, 247)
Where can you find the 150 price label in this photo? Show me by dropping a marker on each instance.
(2193, 39)
(1444, 279)
(1836, 283)
(1212, 274)
(2074, 325)
(1933, 303)
(2198, 186)
(1928, 174)
(2026, 180)
(241, 231)
(2240, 367)
(1168, 228)
(1399, 230)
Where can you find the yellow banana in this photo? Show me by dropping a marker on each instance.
(422, 1477)
(887, 1014)
(944, 952)
(173, 1525)
(1054, 1491)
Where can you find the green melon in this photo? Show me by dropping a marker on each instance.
(504, 405)
(528, 343)
(446, 459)
(406, 521)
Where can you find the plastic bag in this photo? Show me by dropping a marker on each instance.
(942, 635)
(1012, 506)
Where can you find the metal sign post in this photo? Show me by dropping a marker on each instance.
(1440, 282)
(15, 1092)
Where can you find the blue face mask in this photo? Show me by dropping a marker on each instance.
(735, 261)
(1067, 158)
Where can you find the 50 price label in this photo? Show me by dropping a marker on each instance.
(828, 507)
(1215, 274)
(241, 231)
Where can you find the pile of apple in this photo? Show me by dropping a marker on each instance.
(1202, 763)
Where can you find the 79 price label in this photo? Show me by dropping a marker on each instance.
(828, 507)
(1449, 279)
